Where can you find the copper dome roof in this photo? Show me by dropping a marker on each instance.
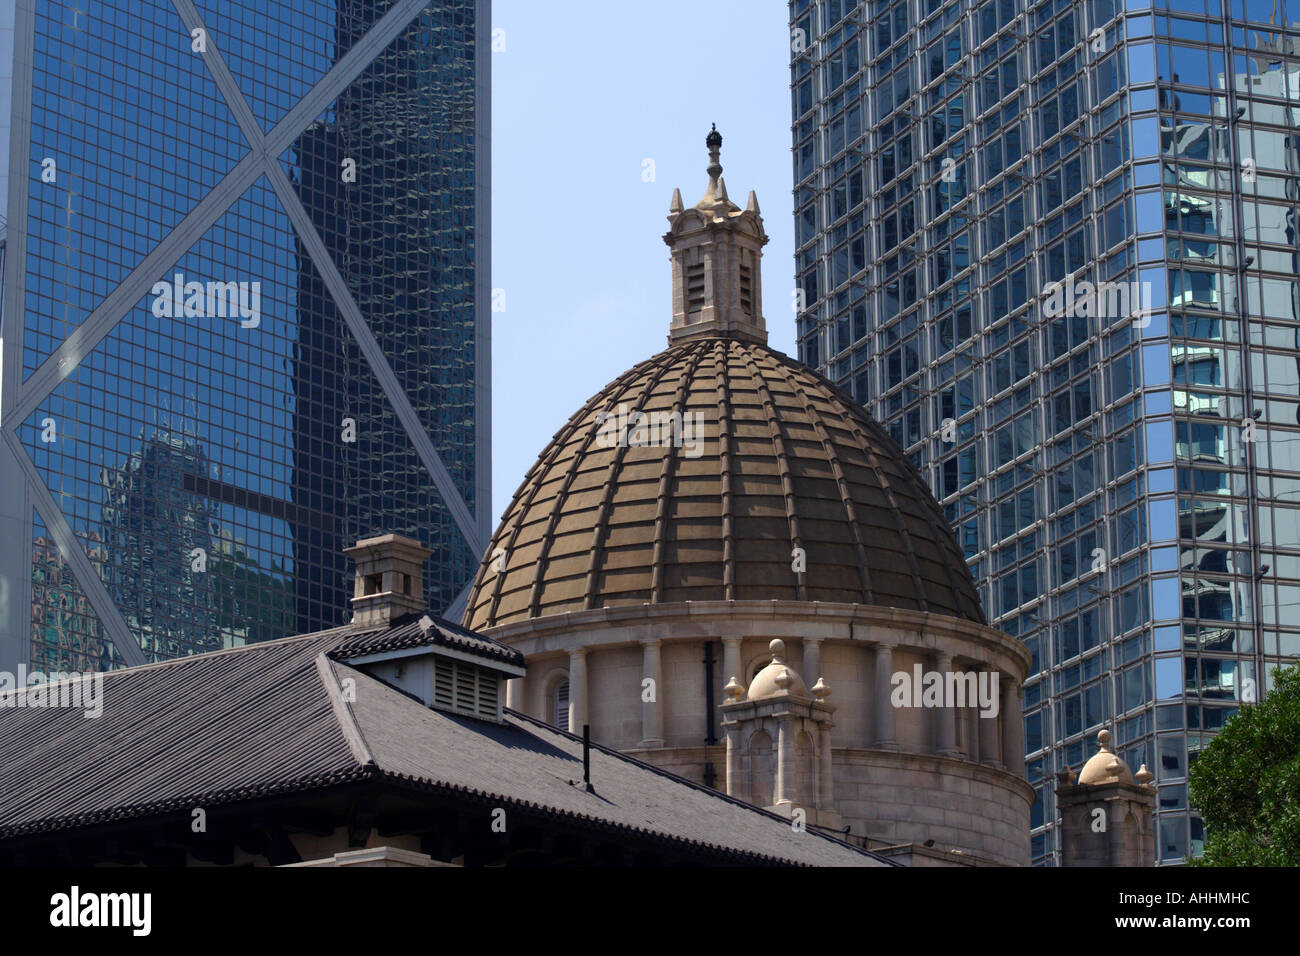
(787, 461)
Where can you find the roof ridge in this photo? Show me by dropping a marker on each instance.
(347, 720)
(242, 648)
(548, 539)
(600, 524)
(411, 631)
(554, 447)
(837, 469)
(900, 525)
(780, 441)
(929, 500)
(726, 467)
(666, 471)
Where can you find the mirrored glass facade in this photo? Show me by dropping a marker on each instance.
(1053, 248)
(245, 316)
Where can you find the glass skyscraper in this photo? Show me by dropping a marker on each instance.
(245, 314)
(1126, 487)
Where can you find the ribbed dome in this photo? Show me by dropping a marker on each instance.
(786, 461)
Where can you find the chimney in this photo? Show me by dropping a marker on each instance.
(389, 579)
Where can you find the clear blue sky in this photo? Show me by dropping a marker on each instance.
(584, 92)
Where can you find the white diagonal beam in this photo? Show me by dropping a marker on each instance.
(264, 151)
(334, 282)
(92, 586)
(374, 355)
(118, 303)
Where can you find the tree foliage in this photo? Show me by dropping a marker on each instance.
(1246, 783)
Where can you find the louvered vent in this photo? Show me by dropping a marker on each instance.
(444, 687)
(694, 288)
(488, 702)
(562, 706)
(466, 689)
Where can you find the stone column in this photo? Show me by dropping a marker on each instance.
(945, 716)
(1013, 729)
(734, 788)
(812, 659)
(543, 704)
(577, 690)
(515, 693)
(731, 660)
(785, 762)
(990, 746)
(652, 713)
(885, 739)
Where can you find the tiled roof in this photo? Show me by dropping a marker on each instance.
(269, 719)
(787, 461)
(418, 630)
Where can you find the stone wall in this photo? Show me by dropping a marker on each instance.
(906, 795)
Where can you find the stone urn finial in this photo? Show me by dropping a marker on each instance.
(734, 689)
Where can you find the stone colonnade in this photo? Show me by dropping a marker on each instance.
(998, 742)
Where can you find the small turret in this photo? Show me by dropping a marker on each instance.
(716, 251)
(1107, 815)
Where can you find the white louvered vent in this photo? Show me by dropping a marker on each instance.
(562, 706)
(444, 687)
(466, 689)
(488, 697)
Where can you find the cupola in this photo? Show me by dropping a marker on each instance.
(716, 252)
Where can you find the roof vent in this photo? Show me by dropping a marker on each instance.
(389, 579)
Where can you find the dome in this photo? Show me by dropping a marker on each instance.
(772, 459)
(720, 470)
(777, 677)
(1104, 766)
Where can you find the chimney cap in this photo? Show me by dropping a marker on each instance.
(390, 542)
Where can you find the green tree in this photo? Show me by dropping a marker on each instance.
(1246, 783)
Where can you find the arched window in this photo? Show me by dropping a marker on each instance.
(560, 711)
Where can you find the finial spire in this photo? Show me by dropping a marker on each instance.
(714, 142)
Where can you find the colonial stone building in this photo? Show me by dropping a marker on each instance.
(383, 742)
(719, 529)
